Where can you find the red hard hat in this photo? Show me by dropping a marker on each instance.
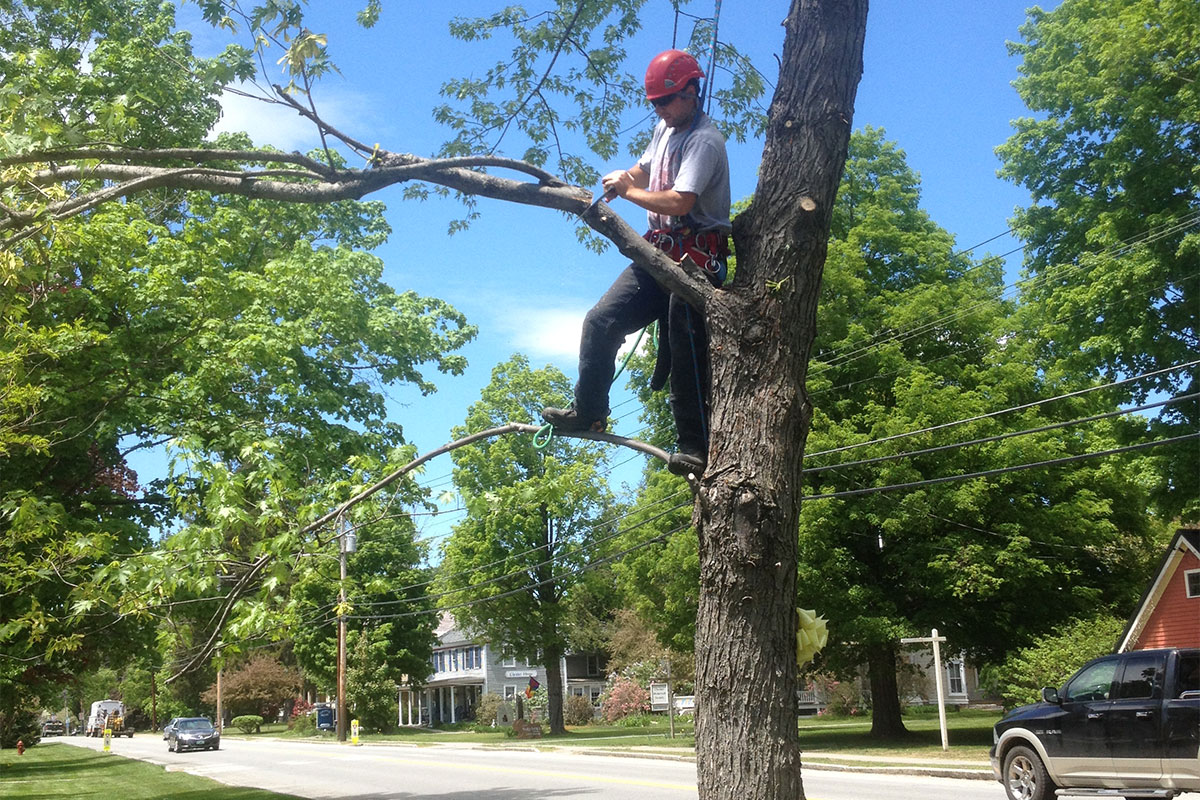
(669, 72)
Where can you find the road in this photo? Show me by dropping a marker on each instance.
(378, 772)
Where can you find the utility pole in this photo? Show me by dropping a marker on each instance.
(937, 676)
(220, 711)
(347, 543)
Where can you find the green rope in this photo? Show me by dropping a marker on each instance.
(633, 349)
(542, 438)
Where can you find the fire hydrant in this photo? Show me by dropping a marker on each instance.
(20, 747)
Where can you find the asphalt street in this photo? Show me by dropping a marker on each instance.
(324, 771)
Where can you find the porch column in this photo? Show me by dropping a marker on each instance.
(453, 710)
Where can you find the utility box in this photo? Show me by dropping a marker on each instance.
(325, 718)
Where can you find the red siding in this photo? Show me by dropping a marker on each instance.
(1175, 621)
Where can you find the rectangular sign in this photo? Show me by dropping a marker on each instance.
(520, 673)
(658, 697)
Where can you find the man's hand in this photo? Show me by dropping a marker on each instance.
(617, 183)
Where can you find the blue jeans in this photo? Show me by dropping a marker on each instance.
(634, 301)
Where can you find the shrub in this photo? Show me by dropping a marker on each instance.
(636, 721)
(1050, 660)
(249, 723)
(624, 698)
(485, 712)
(842, 698)
(578, 710)
(20, 725)
(303, 725)
(300, 708)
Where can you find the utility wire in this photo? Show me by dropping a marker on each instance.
(581, 547)
(999, 437)
(990, 414)
(1001, 471)
(573, 571)
(840, 356)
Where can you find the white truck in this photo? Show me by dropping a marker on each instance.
(107, 714)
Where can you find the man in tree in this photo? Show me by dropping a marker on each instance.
(682, 180)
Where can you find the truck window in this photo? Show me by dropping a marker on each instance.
(1142, 677)
(1189, 673)
(1094, 683)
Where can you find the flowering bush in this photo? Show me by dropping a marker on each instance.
(624, 698)
(578, 710)
(842, 698)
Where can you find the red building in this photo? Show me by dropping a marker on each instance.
(1169, 612)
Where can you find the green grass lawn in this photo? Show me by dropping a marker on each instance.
(61, 770)
(970, 735)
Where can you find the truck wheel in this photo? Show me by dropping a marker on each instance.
(1025, 776)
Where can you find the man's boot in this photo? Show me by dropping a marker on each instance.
(568, 420)
(684, 464)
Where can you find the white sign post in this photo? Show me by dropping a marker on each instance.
(937, 676)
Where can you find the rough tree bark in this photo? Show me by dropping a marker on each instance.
(886, 720)
(762, 331)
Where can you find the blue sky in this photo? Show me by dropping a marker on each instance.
(937, 77)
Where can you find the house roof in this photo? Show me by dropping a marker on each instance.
(1185, 540)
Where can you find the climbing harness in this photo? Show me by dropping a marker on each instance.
(709, 249)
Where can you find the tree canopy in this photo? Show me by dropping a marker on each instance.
(534, 520)
(1112, 242)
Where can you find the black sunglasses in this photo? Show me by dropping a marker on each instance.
(659, 102)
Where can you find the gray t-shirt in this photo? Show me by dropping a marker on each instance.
(690, 159)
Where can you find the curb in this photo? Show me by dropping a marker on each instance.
(929, 771)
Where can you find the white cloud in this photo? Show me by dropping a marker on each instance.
(280, 126)
(549, 334)
(554, 335)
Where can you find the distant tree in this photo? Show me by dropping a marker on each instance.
(1053, 658)
(912, 335)
(260, 686)
(533, 521)
(370, 678)
(1113, 234)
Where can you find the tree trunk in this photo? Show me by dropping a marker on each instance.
(554, 690)
(762, 329)
(886, 722)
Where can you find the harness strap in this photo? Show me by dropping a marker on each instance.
(709, 249)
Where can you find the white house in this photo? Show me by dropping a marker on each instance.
(465, 669)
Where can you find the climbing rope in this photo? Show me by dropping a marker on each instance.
(542, 438)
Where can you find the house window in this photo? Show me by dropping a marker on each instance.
(478, 657)
(593, 665)
(954, 671)
(1192, 579)
(509, 662)
(596, 691)
(510, 692)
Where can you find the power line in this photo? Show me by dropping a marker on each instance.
(839, 356)
(1001, 471)
(573, 571)
(990, 414)
(1001, 436)
(527, 567)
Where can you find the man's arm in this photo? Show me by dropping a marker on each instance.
(631, 184)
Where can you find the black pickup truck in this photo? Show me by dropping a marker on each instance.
(1125, 725)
